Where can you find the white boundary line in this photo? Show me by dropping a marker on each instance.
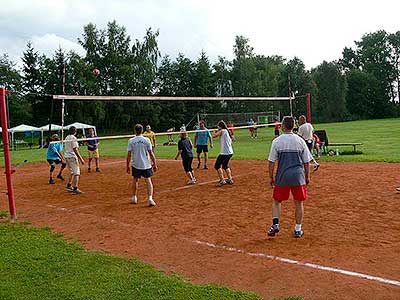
(299, 263)
(252, 254)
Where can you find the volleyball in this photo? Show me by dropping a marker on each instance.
(96, 72)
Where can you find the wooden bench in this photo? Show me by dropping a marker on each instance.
(346, 144)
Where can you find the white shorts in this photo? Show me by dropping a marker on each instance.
(73, 165)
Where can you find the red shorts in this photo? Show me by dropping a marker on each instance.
(281, 193)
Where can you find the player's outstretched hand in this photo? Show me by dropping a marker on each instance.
(155, 168)
(128, 170)
(307, 181)
(82, 161)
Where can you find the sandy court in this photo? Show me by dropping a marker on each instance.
(218, 235)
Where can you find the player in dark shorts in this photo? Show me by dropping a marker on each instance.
(55, 157)
(185, 147)
(201, 140)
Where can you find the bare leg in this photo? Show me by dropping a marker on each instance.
(135, 186)
(97, 162)
(205, 159)
(90, 162)
(70, 179)
(149, 187)
(299, 211)
(228, 173)
(75, 181)
(276, 209)
(198, 158)
(220, 174)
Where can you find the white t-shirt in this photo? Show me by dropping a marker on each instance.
(226, 143)
(140, 147)
(306, 131)
(69, 146)
(292, 153)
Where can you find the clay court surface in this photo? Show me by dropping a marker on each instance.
(218, 235)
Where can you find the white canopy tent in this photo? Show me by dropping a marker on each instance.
(44, 128)
(81, 126)
(23, 128)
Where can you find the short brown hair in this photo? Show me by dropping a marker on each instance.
(288, 121)
(138, 129)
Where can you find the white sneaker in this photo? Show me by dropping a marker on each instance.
(134, 200)
(398, 189)
(151, 202)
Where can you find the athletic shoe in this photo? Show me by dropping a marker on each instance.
(134, 200)
(70, 189)
(316, 167)
(298, 233)
(151, 202)
(51, 181)
(230, 181)
(205, 168)
(191, 182)
(97, 169)
(89, 170)
(198, 165)
(59, 176)
(77, 191)
(273, 230)
(221, 183)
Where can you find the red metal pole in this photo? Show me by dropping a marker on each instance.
(308, 95)
(7, 159)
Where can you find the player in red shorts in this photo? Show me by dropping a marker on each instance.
(293, 174)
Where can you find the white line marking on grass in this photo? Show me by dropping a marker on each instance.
(299, 263)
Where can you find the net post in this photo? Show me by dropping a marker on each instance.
(308, 95)
(7, 159)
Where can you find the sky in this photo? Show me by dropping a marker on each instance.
(312, 30)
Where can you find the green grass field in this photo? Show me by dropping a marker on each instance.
(380, 140)
(38, 264)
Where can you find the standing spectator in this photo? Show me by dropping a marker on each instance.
(152, 136)
(231, 128)
(201, 140)
(251, 127)
(306, 131)
(277, 128)
(142, 160)
(93, 150)
(293, 174)
(72, 158)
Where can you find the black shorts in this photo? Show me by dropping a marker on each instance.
(202, 148)
(310, 145)
(276, 132)
(223, 160)
(187, 164)
(54, 161)
(137, 173)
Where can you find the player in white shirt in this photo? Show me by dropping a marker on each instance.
(306, 131)
(142, 160)
(222, 162)
(72, 158)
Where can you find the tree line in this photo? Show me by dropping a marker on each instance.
(363, 84)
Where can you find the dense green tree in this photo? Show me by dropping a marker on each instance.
(20, 110)
(331, 93)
